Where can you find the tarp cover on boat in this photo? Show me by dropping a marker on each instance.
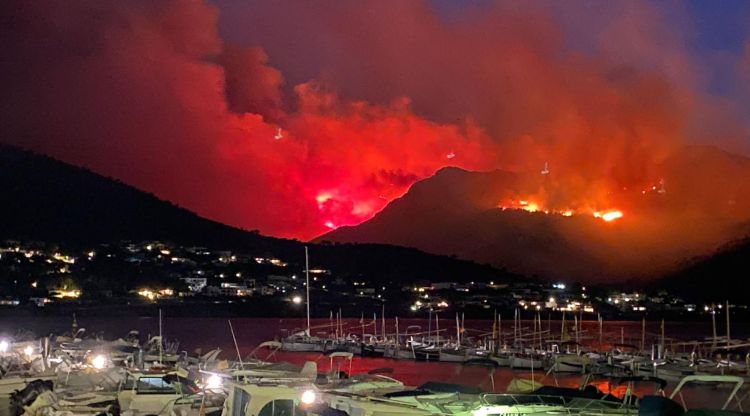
(437, 387)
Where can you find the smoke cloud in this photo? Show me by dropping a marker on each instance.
(297, 117)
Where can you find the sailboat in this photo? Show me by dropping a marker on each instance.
(303, 341)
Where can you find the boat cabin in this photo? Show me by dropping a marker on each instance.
(163, 392)
(269, 399)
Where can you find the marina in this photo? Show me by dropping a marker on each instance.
(220, 361)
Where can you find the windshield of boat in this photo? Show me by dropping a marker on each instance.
(154, 385)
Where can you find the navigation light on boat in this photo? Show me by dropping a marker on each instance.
(4, 346)
(99, 361)
(308, 397)
(214, 382)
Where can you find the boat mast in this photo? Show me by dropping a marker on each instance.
(398, 340)
(161, 340)
(382, 320)
(728, 336)
(429, 323)
(437, 329)
(499, 329)
(463, 326)
(663, 340)
(236, 346)
(494, 330)
(562, 327)
(307, 287)
(713, 324)
(458, 331)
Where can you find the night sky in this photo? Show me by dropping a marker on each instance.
(295, 117)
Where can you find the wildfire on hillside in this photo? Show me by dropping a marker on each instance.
(607, 215)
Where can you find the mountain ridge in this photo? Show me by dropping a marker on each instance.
(51, 201)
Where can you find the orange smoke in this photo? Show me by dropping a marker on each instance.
(299, 134)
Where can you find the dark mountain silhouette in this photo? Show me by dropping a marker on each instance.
(47, 200)
(723, 275)
(50, 201)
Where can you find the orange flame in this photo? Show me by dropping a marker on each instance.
(529, 206)
(609, 216)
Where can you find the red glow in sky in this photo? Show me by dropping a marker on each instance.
(295, 134)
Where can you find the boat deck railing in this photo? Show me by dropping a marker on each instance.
(563, 405)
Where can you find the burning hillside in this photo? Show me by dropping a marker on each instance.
(534, 225)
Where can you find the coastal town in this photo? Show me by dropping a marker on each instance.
(40, 275)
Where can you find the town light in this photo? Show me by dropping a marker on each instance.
(28, 350)
(4, 346)
(297, 300)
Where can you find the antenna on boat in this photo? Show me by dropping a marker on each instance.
(307, 287)
(236, 347)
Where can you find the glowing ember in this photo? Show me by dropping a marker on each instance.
(609, 215)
